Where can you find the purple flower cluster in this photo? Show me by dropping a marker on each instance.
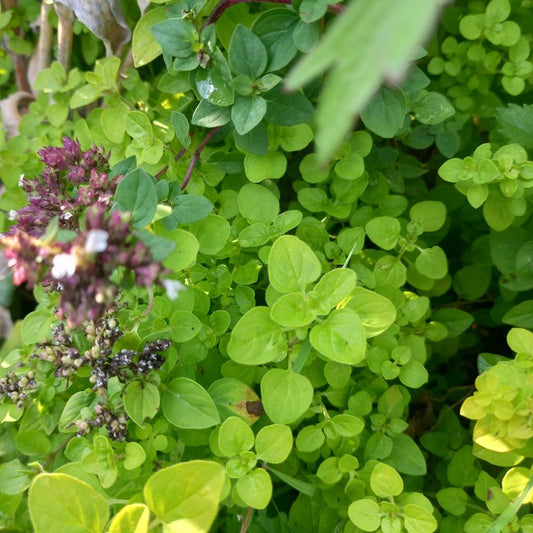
(82, 271)
(73, 185)
(71, 181)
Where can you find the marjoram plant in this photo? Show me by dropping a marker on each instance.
(267, 266)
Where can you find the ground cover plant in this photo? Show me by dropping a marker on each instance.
(268, 266)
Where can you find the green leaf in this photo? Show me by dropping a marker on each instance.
(247, 112)
(184, 326)
(462, 470)
(257, 203)
(144, 47)
(376, 312)
(72, 410)
(113, 120)
(413, 374)
(347, 425)
(141, 401)
(292, 265)
(383, 231)
(520, 340)
(333, 287)
(296, 138)
(101, 461)
(214, 82)
(138, 125)
(185, 252)
(311, 10)
(273, 443)
(181, 127)
(432, 262)
(385, 114)
(186, 404)
(232, 397)
(63, 504)
(275, 28)
(175, 36)
(212, 233)
(341, 337)
(287, 109)
(385, 482)
(516, 124)
(365, 514)
(429, 214)
(257, 339)
(255, 488)
(472, 282)
(209, 115)
(256, 142)
(455, 320)
(350, 167)
(406, 456)
(135, 455)
(309, 439)
(433, 108)
(133, 518)
(292, 310)
(13, 478)
(32, 442)
(234, 437)
(258, 168)
(520, 315)
(185, 496)
(36, 326)
(418, 520)
(247, 55)
(496, 213)
(136, 193)
(189, 208)
(453, 500)
(286, 396)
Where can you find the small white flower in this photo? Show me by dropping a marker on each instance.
(67, 216)
(12, 215)
(64, 266)
(96, 241)
(173, 288)
(21, 180)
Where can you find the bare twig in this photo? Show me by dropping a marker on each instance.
(64, 34)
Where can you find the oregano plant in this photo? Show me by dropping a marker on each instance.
(266, 266)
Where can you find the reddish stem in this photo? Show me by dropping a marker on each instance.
(247, 520)
(196, 156)
(226, 4)
(179, 155)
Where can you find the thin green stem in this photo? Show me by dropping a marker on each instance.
(117, 501)
(511, 510)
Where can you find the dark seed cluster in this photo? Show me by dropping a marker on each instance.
(61, 352)
(125, 364)
(16, 387)
(115, 423)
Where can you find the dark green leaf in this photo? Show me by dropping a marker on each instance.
(247, 54)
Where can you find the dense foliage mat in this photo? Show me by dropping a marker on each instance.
(269, 265)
